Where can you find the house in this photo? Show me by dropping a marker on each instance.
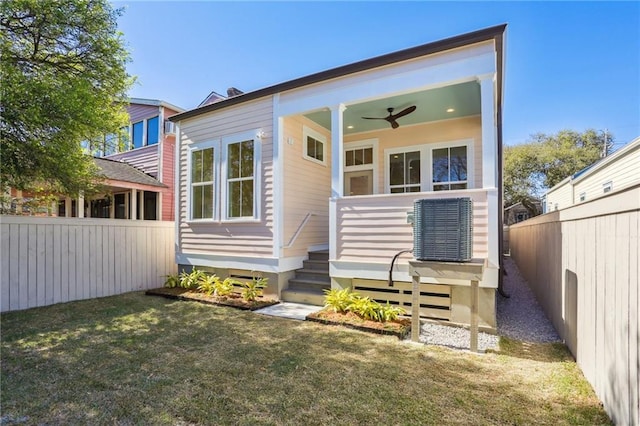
(517, 212)
(609, 174)
(309, 182)
(145, 172)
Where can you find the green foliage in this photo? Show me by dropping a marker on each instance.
(64, 82)
(225, 288)
(339, 300)
(391, 312)
(191, 280)
(172, 281)
(253, 289)
(544, 161)
(366, 308)
(345, 300)
(207, 284)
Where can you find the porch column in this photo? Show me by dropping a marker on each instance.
(489, 133)
(158, 206)
(112, 207)
(141, 205)
(337, 176)
(80, 205)
(19, 201)
(67, 207)
(490, 164)
(134, 204)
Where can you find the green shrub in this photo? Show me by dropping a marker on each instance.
(366, 308)
(391, 312)
(253, 289)
(225, 288)
(172, 281)
(208, 283)
(191, 280)
(339, 300)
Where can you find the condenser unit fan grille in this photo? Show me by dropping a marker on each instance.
(443, 229)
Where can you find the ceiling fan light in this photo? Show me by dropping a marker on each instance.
(450, 110)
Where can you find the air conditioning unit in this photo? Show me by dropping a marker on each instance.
(443, 229)
(169, 127)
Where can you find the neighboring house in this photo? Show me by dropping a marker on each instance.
(149, 151)
(517, 212)
(609, 174)
(293, 183)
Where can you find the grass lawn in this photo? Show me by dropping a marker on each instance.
(136, 359)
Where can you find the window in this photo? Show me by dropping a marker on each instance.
(202, 183)
(404, 172)
(607, 187)
(583, 196)
(449, 168)
(224, 178)
(153, 130)
(240, 179)
(137, 131)
(314, 145)
(358, 157)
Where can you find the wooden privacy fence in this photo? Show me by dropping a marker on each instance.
(52, 260)
(582, 264)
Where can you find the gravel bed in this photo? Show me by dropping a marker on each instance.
(519, 317)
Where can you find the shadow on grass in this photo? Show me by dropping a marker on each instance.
(133, 359)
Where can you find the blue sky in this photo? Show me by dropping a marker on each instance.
(569, 65)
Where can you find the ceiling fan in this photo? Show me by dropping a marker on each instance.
(391, 118)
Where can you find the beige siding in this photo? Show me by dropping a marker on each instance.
(430, 133)
(307, 188)
(375, 228)
(582, 264)
(623, 172)
(139, 112)
(145, 159)
(227, 238)
(55, 260)
(560, 198)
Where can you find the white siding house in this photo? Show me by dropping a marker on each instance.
(615, 172)
(309, 182)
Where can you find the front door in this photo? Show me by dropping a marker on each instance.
(358, 183)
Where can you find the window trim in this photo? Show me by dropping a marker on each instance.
(426, 162)
(607, 187)
(253, 135)
(307, 131)
(215, 144)
(582, 197)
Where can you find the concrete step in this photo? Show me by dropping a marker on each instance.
(320, 265)
(303, 296)
(316, 286)
(313, 274)
(319, 255)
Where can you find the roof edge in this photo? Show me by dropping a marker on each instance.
(486, 34)
(156, 102)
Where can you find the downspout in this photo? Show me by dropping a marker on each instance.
(500, 63)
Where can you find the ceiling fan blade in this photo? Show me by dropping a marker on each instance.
(394, 124)
(404, 112)
(375, 118)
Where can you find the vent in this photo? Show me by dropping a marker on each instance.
(443, 229)
(169, 127)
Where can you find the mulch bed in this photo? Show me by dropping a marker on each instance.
(234, 301)
(399, 328)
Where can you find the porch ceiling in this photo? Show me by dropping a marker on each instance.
(432, 105)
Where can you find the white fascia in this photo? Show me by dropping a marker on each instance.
(402, 82)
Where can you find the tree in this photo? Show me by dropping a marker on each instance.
(544, 161)
(64, 83)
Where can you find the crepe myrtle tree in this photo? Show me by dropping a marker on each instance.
(64, 87)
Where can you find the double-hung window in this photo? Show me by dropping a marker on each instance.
(240, 179)
(202, 164)
(404, 172)
(224, 178)
(449, 168)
